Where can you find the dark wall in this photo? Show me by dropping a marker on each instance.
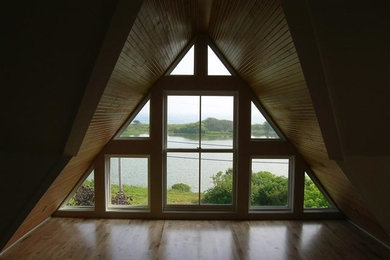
(48, 50)
(353, 42)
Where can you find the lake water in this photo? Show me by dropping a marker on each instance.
(184, 167)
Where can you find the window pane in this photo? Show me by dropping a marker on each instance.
(85, 194)
(183, 121)
(269, 182)
(186, 64)
(139, 126)
(314, 199)
(129, 181)
(217, 178)
(183, 178)
(260, 128)
(215, 65)
(217, 122)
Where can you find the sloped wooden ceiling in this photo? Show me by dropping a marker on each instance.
(161, 30)
(254, 37)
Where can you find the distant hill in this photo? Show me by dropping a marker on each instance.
(208, 126)
(211, 127)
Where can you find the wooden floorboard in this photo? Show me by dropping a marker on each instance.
(70, 238)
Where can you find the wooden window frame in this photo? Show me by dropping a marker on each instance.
(290, 194)
(63, 206)
(199, 207)
(332, 208)
(133, 115)
(245, 149)
(109, 206)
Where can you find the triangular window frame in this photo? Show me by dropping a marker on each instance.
(332, 206)
(264, 114)
(218, 62)
(131, 119)
(64, 205)
(201, 72)
(187, 55)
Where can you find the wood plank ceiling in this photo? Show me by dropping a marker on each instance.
(254, 37)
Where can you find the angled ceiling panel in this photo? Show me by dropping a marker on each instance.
(162, 29)
(254, 37)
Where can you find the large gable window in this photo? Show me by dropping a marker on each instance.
(199, 150)
(199, 145)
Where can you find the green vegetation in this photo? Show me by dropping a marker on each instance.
(263, 130)
(210, 127)
(182, 197)
(269, 189)
(181, 187)
(136, 196)
(84, 196)
(314, 199)
(221, 193)
(135, 129)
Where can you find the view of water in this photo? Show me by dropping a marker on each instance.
(184, 167)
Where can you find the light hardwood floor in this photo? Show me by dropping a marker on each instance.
(67, 238)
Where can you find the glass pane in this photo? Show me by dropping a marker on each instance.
(139, 126)
(129, 181)
(214, 64)
(183, 121)
(217, 178)
(85, 194)
(183, 178)
(260, 128)
(217, 122)
(186, 65)
(269, 182)
(314, 199)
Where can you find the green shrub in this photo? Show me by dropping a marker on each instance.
(181, 187)
(314, 199)
(221, 193)
(269, 189)
(121, 199)
(84, 196)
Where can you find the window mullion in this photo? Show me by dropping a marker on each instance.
(200, 147)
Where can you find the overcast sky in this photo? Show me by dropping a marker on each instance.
(186, 65)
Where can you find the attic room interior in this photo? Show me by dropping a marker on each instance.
(171, 129)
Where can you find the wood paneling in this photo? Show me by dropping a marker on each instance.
(177, 239)
(160, 32)
(254, 37)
